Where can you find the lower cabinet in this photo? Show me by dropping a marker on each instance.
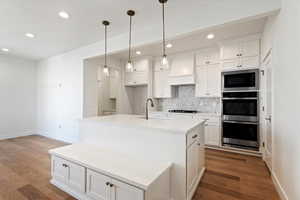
(212, 134)
(101, 187)
(84, 183)
(193, 155)
(195, 160)
(69, 174)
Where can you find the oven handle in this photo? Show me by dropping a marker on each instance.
(247, 98)
(238, 122)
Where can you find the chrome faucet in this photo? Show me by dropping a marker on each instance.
(152, 105)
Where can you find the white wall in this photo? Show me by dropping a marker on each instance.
(17, 97)
(60, 92)
(285, 44)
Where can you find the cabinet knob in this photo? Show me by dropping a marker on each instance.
(199, 144)
(64, 165)
(111, 185)
(107, 183)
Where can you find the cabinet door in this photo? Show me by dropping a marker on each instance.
(250, 62)
(182, 65)
(231, 50)
(201, 85)
(192, 164)
(231, 64)
(97, 187)
(207, 56)
(141, 78)
(141, 65)
(161, 87)
(213, 73)
(123, 191)
(59, 169)
(129, 78)
(114, 84)
(76, 177)
(250, 48)
(212, 135)
(136, 78)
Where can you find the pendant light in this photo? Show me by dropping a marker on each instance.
(164, 60)
(130, 13)
(105, 68)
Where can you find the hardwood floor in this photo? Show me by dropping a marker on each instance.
(231, 176)
(25, 174)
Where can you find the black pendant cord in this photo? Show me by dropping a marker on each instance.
(105, 23)
(130, 26)
(164, 35)
(105, 57)
(130, 13)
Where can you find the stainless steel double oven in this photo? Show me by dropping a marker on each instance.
(240, 109)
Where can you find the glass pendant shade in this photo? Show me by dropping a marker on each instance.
(129, 66)
(105, 70)
(164, 61)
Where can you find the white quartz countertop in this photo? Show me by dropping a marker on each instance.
(140, 173)
(139, 121)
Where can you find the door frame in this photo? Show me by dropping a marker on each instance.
(267, 60)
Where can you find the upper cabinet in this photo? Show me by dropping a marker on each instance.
(114, 83)
(138, 75)
(208, 73)
(182, 67)
(240, 54)
(208, 82)
(208, 56)
(161, 86)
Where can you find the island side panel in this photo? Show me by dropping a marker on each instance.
(152, 144)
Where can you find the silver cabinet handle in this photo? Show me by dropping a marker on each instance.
(268, 119)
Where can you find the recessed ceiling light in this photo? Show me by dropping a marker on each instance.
(169, 45)
(64, 15)
(30, 35)
(5, 49)
(138, 52)
(210, 36)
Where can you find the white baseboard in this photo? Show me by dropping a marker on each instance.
(279, 188)
(15, 135)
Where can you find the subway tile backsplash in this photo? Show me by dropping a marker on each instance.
(185, 100)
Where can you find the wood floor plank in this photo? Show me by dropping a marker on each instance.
(25, 173)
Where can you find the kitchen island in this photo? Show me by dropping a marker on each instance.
(179, 141)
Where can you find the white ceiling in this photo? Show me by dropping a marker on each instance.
(55, 35)
(198, 39)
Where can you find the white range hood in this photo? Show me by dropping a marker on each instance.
(182, 69)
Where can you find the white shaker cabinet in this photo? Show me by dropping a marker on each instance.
(101, 187)
(97, 186)
(212, 134)
(123, 191)
(138, 75)
(207, 56)
(161, 86)
(243, 53)
(193, 155)
(208, 82)
(68, 173)
(114, 83)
